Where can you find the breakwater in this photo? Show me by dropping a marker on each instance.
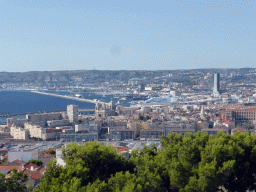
(69, 97)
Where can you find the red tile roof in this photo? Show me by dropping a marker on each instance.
(29, 165)
(41, 170)
(19, 162)
(122, 149)
(9, 168)
(33, 174)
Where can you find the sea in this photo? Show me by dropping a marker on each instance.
(22, 102)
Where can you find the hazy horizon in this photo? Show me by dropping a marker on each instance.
(127, 70)
(113, 35)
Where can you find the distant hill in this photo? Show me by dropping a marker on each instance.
(42, 78)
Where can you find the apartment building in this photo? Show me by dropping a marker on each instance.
(79, 137)
(183, 131)
(242, 115)
(122, 134)
(19, 133)
(153, 134)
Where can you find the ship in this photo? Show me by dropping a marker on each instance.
(78, 95)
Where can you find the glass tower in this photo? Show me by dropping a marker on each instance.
(216, 83)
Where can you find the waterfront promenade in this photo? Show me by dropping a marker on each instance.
(69, 97)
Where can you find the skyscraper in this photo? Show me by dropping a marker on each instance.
(216, 83)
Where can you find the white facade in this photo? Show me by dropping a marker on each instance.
(34, 130)
(19, 133)
(59, 159)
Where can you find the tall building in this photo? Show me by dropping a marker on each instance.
(72, 112)
(216, 83)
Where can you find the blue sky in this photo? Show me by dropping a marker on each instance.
(49, 35)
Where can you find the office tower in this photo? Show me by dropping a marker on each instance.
(216, 83)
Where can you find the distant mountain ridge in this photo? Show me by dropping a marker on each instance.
(98, 76)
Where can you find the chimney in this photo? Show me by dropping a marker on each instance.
(32, 168)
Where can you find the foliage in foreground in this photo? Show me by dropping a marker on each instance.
(194, 163)
(16, 182)
(85, 164)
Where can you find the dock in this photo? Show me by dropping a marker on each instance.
(69, 97)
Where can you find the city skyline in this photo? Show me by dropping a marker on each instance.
(74, 35)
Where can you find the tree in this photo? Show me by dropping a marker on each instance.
(203, 163)
(51, 152)
(83, 131)
(36, 162)
(147, 171)
(15, 182)
(4, 161)
(196, 162)
(80, 120)
(84, 164)
(140, 117)
(147, 118)
(126, 181)
(248, 125)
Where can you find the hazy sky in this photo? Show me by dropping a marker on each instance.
(141, 35)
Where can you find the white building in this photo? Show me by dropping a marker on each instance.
(59, 159)
(19, 133)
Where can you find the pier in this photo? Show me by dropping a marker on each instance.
(69, 97)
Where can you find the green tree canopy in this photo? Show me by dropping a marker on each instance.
(36, 162)
(84, 164)
(51, 152)
(15, 182)
(196, 163)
